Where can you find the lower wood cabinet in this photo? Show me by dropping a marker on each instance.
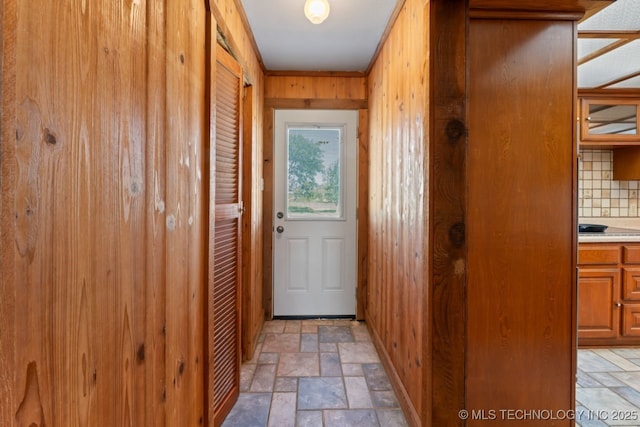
(608, 294)
(598, 292)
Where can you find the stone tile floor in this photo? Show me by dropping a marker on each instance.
(323, 373)
(608, 388)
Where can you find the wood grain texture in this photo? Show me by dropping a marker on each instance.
(185, 47)
(8, 379)
(521, 277)
(598, 316)
(535, 5)
(626, 163)
(267, 212)
(609, 288)
(104, 216)
(315, 87)
(363, 213)
(229, 20)
(253, 312)
(599, 254)
(226, 316)
(398, 204)
(631, 254)
(448, 206)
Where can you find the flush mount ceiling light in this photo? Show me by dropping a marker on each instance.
(316, 11)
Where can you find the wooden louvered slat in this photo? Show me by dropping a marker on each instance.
(225, 361)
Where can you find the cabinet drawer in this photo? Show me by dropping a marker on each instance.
(631, 254)
(598, 254)
(631, 320)
(631, 283)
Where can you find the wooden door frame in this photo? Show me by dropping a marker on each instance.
(362, 189)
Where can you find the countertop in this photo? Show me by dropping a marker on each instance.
(611, 234)
(620, 230)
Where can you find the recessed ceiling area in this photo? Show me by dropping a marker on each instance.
(609, 47)
(345, 41)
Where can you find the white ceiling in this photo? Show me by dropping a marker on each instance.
(346, 41)
(608, 41)
(615, 55)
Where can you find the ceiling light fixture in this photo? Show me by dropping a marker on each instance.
(316, 11)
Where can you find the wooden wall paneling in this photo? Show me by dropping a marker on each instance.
(74, 214)
(315, 87)
(363, 212)
(8, 176)
(521, 320)
(267, 212)
(253, 312)
(152, 351)
(229, 20)
(185, 130)
(445, 306)
(398, 205)
(113, 117)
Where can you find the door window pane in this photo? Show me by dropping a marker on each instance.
(314, 173)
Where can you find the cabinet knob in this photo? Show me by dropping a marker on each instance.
(618, 304)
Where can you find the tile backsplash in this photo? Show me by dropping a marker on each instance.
(601, 196)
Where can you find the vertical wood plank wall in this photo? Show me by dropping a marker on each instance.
(521, 217)
(102, 211)
(398, 203)
(448, 205)
(312, 91)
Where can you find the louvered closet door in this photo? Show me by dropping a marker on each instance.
(228, 210)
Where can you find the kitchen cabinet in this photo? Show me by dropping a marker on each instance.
(609, 294)
(609, 122)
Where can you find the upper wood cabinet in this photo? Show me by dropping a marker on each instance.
(609, 122)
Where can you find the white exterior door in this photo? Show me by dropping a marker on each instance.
(315, 213)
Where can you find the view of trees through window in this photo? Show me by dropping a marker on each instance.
(313, 175)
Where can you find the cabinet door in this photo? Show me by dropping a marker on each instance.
(631, 283)
(631, 320)
(609, 121)
(598, 294)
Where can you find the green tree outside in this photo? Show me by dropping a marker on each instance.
(305, 162)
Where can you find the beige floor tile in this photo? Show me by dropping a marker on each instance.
(309, 329)
(273, 327)
(357, 393)
(263, 379)
(352, 370)
(358, 352)
(283, 410)
(281, 343)
(293, 326)
(299, 365)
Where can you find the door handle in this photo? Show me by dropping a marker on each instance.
(279, 229)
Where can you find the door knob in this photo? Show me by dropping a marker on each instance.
(280, 229)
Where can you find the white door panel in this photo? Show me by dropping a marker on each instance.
(315, 213)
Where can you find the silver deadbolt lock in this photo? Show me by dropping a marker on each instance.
(280, 229)
(280, 215)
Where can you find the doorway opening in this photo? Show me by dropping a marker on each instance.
(314, 211)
